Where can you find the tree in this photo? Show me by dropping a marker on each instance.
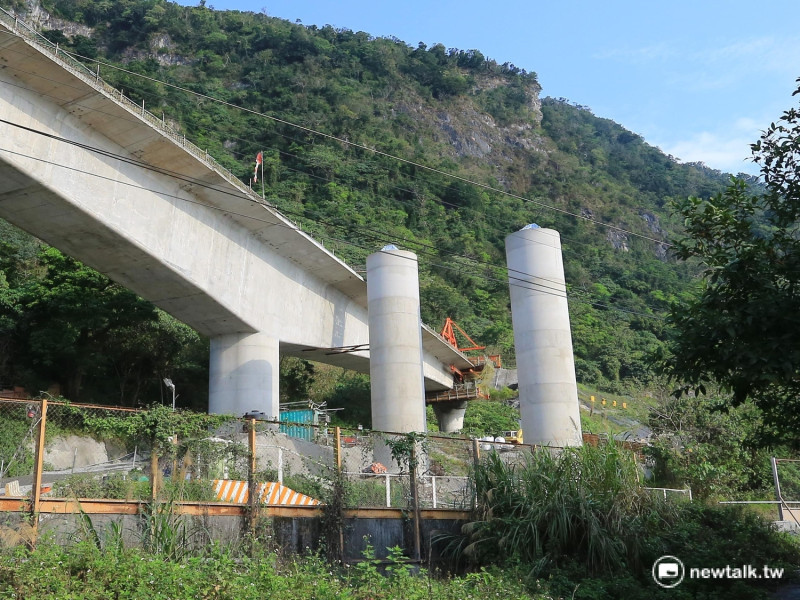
(697, 443)
(66, 319)
(742, 329)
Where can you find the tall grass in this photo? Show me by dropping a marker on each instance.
(578, 504)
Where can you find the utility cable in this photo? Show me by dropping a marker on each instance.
(353, 144)
(243, 156)
(427, 248)
(539, 287)
(375, 151)
(438, 200)
(524, 281)
(518, 282)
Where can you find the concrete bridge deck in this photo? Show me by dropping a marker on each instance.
(102, 179)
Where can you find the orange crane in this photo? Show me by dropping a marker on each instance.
(465, 387)
(449, 334)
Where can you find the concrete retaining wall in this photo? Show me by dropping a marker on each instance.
(291, 535)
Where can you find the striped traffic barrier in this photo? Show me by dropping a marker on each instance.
(272, 493)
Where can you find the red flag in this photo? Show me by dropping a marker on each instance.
(259, 160)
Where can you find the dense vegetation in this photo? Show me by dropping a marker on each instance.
(84, 571)
(740, 330)
(445, 112)
(574, 525)
(582, 520)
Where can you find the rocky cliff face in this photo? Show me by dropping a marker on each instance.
(36, 16)
(463, 130)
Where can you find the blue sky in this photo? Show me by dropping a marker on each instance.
(698, 79)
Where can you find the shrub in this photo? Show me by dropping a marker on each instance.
(580, 504)
(580, 518)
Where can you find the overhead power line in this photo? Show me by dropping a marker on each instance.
(525, 280)
(284, 166)
(421, 246)
(440, 201)
(361, 146)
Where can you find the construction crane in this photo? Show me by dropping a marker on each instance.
(465, 385)
(449, 334)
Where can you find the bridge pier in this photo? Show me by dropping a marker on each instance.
(397, 388)
(243, 374)
(450, 415)
(548, 391)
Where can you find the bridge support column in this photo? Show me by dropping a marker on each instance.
(450, 415)
(395, 345)
(548, 391)
(244, 374)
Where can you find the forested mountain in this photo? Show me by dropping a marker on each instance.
(482, 155)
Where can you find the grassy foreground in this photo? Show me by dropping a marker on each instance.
(85, 572)
(575, 524)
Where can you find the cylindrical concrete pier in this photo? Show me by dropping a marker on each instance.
(243, 374)
(450, 415)
(548, 391)
(395, 341)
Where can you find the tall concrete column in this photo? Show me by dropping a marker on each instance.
(244, 374)
(397, 387)
(548, 391)
(395, 341)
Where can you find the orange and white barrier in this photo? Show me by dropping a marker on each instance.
(273, 493)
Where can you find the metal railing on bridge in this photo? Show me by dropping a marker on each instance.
(66, 60)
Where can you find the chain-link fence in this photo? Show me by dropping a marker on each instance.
(788, 474)
(372, 477)
(94, 452)
(87, 453)
(446, 483)
(301, 461)
(19, 421)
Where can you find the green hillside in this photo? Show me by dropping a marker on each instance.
(441, 151)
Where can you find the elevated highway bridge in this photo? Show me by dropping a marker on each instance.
(88, 171)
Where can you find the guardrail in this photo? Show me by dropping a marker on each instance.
(685, 492)
(77, 68)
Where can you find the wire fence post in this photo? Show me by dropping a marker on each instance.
(154, 473)
(173, 473)
(251, 475)
(36, 490)
(339, 488)
(476, 458)
(778, 497)
(412, 473)
(337, 447)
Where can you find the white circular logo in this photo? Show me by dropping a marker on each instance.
(668, 571)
